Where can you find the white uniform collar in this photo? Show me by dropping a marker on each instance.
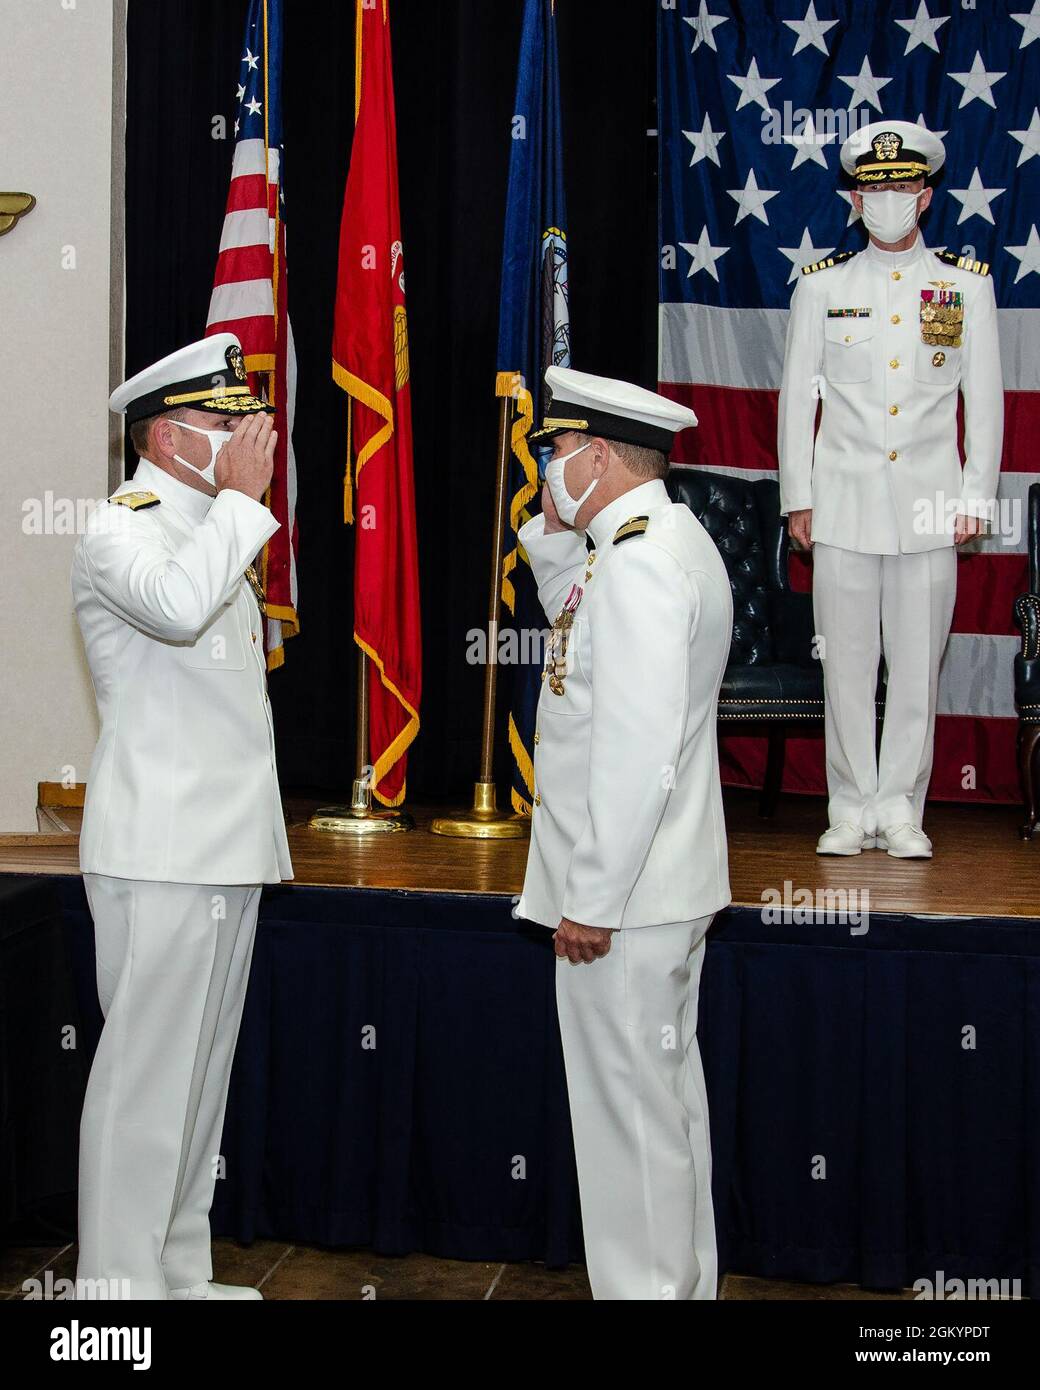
(635, 502)
(895, 260)
(188, 501)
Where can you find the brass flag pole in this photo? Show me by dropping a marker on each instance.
(485, 821)
(361, 817)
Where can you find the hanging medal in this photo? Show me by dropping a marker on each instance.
(556, 658)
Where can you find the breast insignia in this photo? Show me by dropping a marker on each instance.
(136, 500)
(830, 260)
(964, 262)
(634, 526)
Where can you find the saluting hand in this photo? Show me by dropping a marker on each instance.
(246, 461)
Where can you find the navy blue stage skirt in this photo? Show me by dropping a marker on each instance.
(875, 1098)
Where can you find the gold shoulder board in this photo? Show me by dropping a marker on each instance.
(964, 262)
(831, 260)
(136, 500)
(634, 526)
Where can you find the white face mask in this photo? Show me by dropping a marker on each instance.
(566, 506)
(890, 216)
(217, 440)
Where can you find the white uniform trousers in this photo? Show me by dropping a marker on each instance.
(639, 1113)
(863, 604)
(172, 966)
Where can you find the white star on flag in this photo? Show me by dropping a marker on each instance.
(810, 30)
(704, 255)
(853, 214)
(1028, 139)
(977, 83)
(805, 254)
(1030, 26)
(253, 105)
(975, 199)
(251, 58)
(754, 86)
(921, 29)
(866, 87)
(705, 142)
(1028, 255)
(705, 24)
(240, 92)
(939, 134)
(751, 199)
(809, 144)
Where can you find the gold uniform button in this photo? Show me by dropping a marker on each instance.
(537, 736)
(538, 799)
(894, 363)
(893, 455)
(897, 275)
(893, 410)
(895, 318)
(848, 337)
(253, 635)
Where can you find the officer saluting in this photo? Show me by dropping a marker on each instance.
(183, 820)
(628, 843)
(883, 341)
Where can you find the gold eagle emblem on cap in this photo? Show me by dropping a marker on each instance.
(236, 362)
(887, 145)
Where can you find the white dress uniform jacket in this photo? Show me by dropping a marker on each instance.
(183, 785)
(627, 828)
(883, 475)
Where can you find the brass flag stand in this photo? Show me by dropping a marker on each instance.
(360, 817)
(485, 821)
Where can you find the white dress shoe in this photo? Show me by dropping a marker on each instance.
(844, 838)
(905, 841)
(216, 1292)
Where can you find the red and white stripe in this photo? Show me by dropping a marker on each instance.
(249, 299)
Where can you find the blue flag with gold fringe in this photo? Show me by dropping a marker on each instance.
(533, 333)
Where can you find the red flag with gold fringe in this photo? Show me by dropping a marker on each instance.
(370, 363)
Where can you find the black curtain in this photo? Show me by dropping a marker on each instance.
(454, 75)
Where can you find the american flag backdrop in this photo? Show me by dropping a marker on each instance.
(250, 292)
(754, 100)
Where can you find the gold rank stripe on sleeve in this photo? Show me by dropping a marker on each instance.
(136, 500)
(830, 260)
(635, 526)
(964, 262)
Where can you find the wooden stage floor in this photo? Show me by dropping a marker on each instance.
(980, 868)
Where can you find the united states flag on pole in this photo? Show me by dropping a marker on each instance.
(749, 94)
(249, 293)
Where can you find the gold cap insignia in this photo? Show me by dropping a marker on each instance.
(236, 363)
(887, 145)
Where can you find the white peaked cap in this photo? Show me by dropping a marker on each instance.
(207, 375)
(614, 409)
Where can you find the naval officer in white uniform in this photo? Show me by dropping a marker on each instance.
(883, 342)
(182, 821)
(628, 858)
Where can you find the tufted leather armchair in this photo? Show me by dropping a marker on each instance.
(773, 684)
(1027, 670)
